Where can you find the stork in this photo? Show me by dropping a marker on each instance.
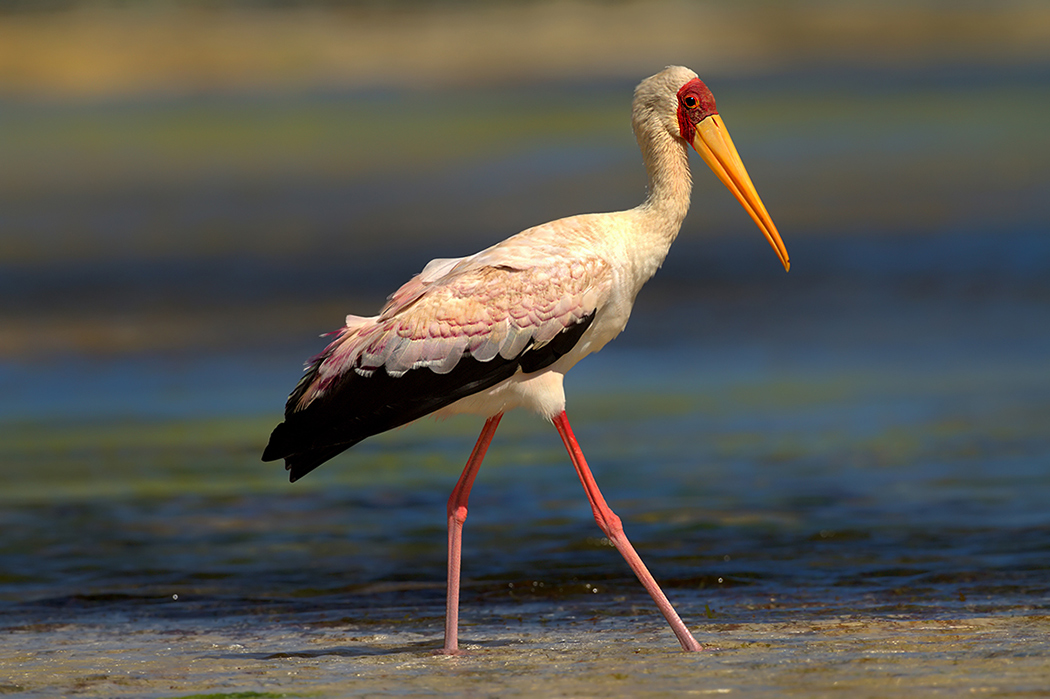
(499, 329)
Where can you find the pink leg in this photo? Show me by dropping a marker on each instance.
(611, 525)
(457, 515)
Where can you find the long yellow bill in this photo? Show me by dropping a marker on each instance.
(714, 145)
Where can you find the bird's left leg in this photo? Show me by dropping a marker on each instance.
(612, 527)
(457, 515)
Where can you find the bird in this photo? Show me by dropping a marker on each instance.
(499, 329)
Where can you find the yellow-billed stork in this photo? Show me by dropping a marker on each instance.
(499, 329)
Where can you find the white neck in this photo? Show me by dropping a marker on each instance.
(670, 186)
(670, 181)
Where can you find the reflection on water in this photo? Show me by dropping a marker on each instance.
(857, 450)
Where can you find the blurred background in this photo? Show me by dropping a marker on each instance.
(178, 176)
(192, 191)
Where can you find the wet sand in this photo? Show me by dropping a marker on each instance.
(859, 654)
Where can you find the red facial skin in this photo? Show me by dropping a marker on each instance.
(695, 103)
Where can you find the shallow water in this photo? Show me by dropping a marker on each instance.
(818, 529)
(839, 476)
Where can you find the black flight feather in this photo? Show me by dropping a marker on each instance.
(357, 407)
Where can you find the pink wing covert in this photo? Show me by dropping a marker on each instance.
(484, 305)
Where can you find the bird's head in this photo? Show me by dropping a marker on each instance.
(687, 108)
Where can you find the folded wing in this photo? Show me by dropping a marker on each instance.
(459, 327)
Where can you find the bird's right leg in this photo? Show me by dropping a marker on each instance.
(457, 515)
(612, 527)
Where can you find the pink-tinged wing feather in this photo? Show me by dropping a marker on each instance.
(415, 287)
(465, 306)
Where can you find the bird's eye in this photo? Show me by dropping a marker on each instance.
(690, 102)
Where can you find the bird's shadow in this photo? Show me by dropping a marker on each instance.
(341, 651)
(420, 648)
